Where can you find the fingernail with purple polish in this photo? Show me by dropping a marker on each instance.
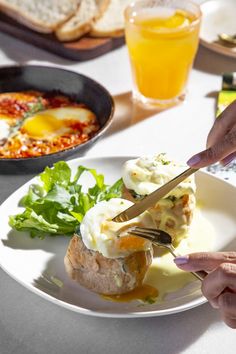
(181, 260)
(194, 160)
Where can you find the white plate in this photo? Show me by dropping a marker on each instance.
(27, 259)
(218, 16)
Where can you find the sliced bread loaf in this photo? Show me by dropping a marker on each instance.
(82, 21)
(40, 15)
(111, 23)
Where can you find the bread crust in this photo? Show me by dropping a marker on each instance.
(74, 34)
(112, 23)
(109, 276)
(65, 34)
(114, 34)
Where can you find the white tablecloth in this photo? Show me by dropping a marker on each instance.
(29, 324)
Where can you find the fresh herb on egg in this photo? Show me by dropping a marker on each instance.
(57, 204)
(33, 107)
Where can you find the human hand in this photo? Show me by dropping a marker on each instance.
(221, 141)
(219, 286)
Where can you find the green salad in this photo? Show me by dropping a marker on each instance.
(57, 204)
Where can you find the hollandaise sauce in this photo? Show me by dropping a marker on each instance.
(144, 293)
(163, 276)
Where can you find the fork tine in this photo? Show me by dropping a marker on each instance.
(151, 235)
(154, 233)
(147, 229)
(142, 234)
(141, 231)
(147, 236)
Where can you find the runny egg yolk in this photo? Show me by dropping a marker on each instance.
(56, 122)
(42, 125)
(125, 241)
(145, 293)
(131, 243)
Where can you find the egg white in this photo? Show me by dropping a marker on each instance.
(4, 129)
(100, 234)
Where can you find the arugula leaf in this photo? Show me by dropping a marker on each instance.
(60, 175)
(57, 205)
(111, 191)
(78, 216)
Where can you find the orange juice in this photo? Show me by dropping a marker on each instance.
(162, 43)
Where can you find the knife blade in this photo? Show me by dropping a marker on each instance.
(151, 199)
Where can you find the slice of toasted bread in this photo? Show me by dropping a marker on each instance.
(104, 275)
(42, 16)
(111, 23)
(81, 22)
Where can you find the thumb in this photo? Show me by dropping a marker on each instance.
(204, 260)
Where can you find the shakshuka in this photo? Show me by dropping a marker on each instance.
(33, 124)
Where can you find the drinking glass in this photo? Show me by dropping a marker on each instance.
(162, 38)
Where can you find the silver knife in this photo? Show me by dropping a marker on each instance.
(151, 199)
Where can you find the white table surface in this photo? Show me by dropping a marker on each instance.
(30, 324)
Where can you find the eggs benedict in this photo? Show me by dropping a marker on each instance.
(104, 257)
(174, 212)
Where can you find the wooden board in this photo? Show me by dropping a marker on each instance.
(83, 49)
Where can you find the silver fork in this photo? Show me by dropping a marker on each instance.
(162, 239)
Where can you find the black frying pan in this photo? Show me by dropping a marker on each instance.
(48, 79)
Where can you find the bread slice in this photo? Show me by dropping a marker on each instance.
(111, 24)
(40, 15)
(110, 276)
(82, 20)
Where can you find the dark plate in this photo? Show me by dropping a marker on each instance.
(78, 87)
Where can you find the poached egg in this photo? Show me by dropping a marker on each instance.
(145, 174)
(100, 233)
